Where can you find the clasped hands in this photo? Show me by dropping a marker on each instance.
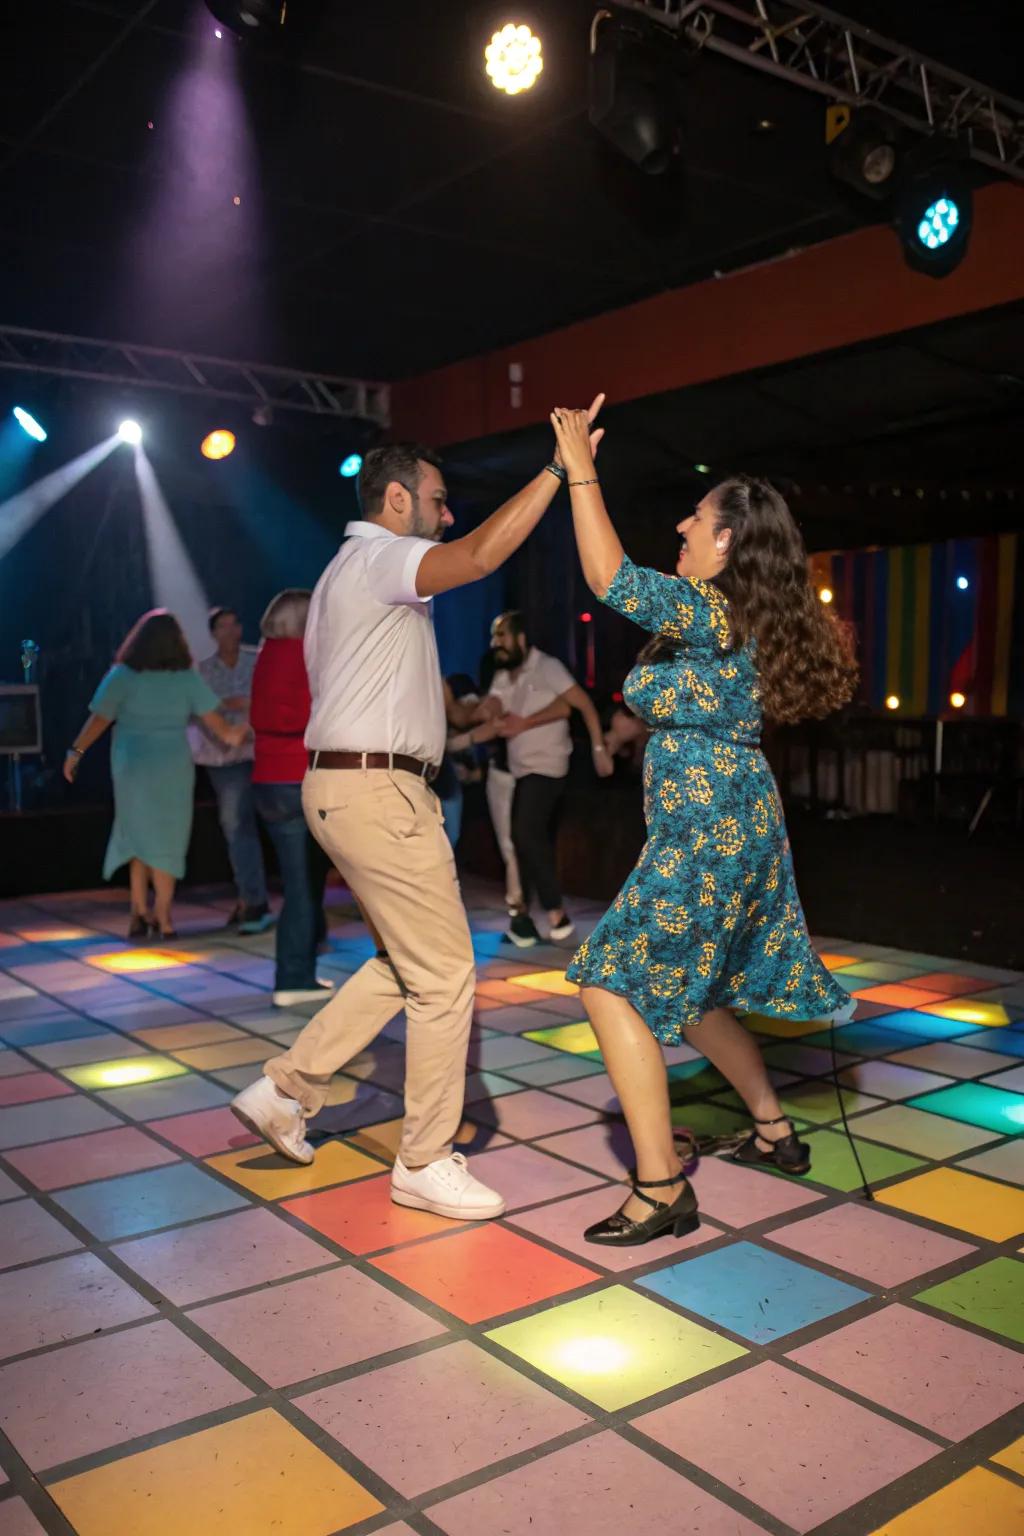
(576, 439)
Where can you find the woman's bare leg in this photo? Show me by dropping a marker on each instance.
(637, 1069)
(729, 1046)
(138, 884)
(163, 885)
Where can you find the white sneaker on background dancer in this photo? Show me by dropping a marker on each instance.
(275, 1119)
(447, 1188)
(289, 998)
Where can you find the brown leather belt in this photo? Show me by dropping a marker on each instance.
(389, 760)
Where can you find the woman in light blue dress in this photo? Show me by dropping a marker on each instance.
(149, 695)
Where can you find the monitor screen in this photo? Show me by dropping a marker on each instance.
(19, 719)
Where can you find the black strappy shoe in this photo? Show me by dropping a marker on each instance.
(789, 1154)
(680, 1217)
(139, 927)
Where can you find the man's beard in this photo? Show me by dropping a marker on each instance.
(507, 661)
(420, 529)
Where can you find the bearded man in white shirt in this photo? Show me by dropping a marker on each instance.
(375, 739)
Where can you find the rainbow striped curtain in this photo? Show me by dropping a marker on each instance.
(935, 619)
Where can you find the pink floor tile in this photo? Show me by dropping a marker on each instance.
(204, 1132)
(75, 1401)
(891, 1081)
(524, 1176)
(564, 1223)
(603, 1486)
(956, 1060)
(77, 1053)
(870, 1244)
(13, 1064)
(28, 1233)
(80, 1159)
(606, 1148)
(822, 1455)
(8, 1189)
(929, 1371)
(32, 1086)
(533, 1113)
(740, 1196)
(16, 1519)
(289, 1333)
(227, 1253)
(63, 1300)
(597, 1091)
(394, 1421)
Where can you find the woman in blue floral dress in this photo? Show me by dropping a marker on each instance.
(709, 923)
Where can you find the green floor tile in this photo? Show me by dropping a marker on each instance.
(865, 1039)
(913, 1130)
(832, 1161)
(881, 970)
(991, 1296)
(977, 1104)
(693, 1080)
(710, 1119)
(819, 1102)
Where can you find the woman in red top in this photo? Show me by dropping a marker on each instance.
(279, 713)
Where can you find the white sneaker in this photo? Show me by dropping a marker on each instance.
(278, 1120)
(563, 930)
(317, 994)
(447, 1188)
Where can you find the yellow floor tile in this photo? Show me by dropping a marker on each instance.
(253, 1476)
(122, 961)
(381, 1140)
(783, 1029)
(966, 1010)
(265, 1173)
(546, 981)
(177, 1037)
(575, 1038)
(1012, 1457)
(979, 1502)
(962, 1200)
(235, 1053)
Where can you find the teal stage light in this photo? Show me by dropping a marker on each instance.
(28, 424)
(351, 466)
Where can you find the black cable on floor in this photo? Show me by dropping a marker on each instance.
(869, 1193)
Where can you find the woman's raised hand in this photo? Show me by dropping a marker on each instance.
(577, 443)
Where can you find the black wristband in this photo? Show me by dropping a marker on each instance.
(556, 470)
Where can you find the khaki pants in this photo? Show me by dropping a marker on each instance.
(500, 789)
(384, 833)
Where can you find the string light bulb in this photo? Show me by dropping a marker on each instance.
(513, 59)
(218, 444)
(825, 595)
(958, 700)
(892, 702)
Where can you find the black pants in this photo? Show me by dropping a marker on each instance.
(534, 805)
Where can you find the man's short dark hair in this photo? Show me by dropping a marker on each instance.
(395, 461)
(513, 619)
(216, 614)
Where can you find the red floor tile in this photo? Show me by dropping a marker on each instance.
(32, 1086)
(896, 995)
(363, 1218)
(80, 1159)
(484, 1272)
(948, 983)
(205, 1131)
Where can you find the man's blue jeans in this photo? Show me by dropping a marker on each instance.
(303, 868)
(233, 788)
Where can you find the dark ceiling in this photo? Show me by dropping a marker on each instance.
(395, 211)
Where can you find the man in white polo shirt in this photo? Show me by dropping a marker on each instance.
(376, 736)
(537, 694)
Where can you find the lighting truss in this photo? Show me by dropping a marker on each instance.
(189, 373)
(812, 46)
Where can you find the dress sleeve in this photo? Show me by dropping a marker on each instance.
(682, 608)
(110, 696)
(201, 697)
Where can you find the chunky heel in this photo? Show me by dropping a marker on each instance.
(685, 1224)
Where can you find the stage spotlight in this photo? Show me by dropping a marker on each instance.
(825, 595)
(958, 700)
(863, 151)
(251, 18)
(935, 216)
(633, 95)
(703, 469)
(962, 583)
(130, 432)
(513, 59)
(351, 466)
(28, 424)
(217, 444)
(892, 702)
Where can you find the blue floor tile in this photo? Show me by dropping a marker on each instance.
(1005, 1042)
(142, 1202)
(174, 1096)
(866, 1038)
(48, 1028)
(755, 1294)
(928, 1026)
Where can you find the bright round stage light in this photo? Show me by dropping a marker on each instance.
(825, 595)
(892, 702)
(962, 583)
(939, 224)
(130, 432)
(217, 444)
(513, 59)
(28, 424)
(958, 700)
(351, 466)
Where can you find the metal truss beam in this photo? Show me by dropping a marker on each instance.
(188, 373)
(812, 46)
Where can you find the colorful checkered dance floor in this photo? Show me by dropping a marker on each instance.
(198, 1339)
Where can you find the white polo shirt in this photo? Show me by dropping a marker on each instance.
(371, 653)
(547, 748)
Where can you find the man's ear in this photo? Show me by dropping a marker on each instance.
(396, 497)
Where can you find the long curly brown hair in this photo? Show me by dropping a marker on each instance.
(805, 657)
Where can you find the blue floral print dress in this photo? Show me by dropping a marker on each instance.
(710, 916)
